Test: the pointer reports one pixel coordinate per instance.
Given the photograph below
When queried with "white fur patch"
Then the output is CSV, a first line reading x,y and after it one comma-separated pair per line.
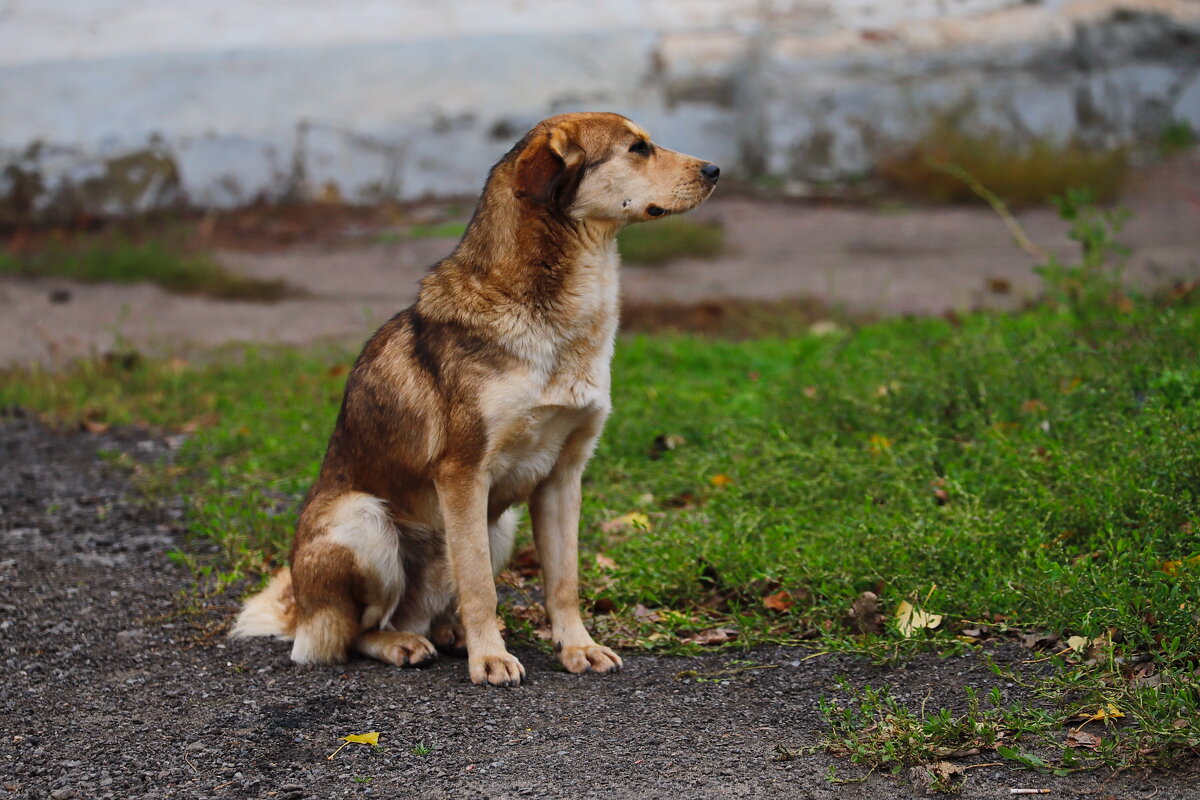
x,y
361,523
500,538
265,612
317,640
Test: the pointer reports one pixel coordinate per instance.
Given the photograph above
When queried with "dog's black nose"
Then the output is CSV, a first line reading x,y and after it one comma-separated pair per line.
x,y
711,172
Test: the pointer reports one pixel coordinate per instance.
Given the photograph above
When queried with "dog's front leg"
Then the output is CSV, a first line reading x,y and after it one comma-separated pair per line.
x,y
554,512
463,498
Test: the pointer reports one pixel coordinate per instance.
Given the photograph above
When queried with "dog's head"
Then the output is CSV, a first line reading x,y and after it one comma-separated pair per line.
x,y
598,166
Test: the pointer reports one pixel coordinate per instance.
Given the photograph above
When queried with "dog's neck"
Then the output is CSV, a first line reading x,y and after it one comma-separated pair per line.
x,y
524,266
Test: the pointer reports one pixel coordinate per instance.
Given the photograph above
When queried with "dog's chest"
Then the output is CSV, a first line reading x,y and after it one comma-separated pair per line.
x,y
531,446
563,386
533,416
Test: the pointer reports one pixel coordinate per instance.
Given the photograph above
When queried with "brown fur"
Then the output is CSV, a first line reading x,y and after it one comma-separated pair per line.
x,y
490,391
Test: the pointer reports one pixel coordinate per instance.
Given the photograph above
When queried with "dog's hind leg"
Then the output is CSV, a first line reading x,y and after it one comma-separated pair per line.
x,y
348,581
395,647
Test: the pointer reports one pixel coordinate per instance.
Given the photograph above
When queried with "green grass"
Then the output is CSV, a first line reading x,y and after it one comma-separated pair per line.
x,y
1019,466
661,241
122,261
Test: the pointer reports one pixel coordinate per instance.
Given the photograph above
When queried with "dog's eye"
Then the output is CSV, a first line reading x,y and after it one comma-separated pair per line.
x,y
641,147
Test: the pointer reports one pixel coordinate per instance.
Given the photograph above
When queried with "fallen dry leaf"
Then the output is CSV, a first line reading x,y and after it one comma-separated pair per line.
x,y
940,774
634,520
604,562
720,480
1108,711
371,738
1078,643
879,444
196,423
92,426
780,601
684,501
1083,739
909,619
643,614
1038,641
1173,567
526,562
712,636
864,614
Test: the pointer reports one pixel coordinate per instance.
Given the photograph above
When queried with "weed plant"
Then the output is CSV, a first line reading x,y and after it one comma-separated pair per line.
x,y
122,261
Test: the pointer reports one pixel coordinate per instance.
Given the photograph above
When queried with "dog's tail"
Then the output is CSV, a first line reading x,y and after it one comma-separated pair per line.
x,y
271,612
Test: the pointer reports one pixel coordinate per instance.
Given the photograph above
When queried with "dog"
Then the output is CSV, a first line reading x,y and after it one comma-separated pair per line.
x,y
490,391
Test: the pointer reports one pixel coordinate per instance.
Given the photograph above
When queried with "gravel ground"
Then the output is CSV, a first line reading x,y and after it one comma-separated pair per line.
x,y
103,699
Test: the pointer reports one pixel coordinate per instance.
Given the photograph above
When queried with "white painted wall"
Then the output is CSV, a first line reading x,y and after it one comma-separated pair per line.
x,y
228,100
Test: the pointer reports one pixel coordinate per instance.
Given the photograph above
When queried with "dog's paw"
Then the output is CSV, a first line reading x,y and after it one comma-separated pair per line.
x,y
449,636
589,658
406,649
499,669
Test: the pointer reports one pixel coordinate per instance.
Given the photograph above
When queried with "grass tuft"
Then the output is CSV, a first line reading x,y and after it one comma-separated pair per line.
x,y
1022,175
658,242
1177,137
122,261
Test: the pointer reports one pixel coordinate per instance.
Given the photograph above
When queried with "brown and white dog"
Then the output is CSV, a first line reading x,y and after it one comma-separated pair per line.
x,y
489,391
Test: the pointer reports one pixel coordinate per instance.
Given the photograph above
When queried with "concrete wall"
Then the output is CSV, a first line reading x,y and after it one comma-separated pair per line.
x,y
113,106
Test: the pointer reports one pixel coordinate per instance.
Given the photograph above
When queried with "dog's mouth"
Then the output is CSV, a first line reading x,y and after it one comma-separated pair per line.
x,y
655,211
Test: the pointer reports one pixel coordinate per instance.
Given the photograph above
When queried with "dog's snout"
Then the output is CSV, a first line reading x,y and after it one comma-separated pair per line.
x,y
710,172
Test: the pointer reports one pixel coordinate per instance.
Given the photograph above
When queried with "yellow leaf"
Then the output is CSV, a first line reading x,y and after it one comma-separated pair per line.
x,y
1173,567
634,519
720,480
879,444
1109,711
371,738
910,619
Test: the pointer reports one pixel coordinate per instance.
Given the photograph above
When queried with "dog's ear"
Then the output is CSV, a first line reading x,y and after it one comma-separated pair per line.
x,y
549,168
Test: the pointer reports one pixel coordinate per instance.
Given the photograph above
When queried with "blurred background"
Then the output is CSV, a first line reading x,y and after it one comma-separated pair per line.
x,y
258,124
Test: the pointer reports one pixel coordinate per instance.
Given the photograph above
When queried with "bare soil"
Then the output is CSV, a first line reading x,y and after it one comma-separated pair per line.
x,y
822,258
110,693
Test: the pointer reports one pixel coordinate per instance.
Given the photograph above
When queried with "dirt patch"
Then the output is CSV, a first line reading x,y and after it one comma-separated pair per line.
x,y
107,696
